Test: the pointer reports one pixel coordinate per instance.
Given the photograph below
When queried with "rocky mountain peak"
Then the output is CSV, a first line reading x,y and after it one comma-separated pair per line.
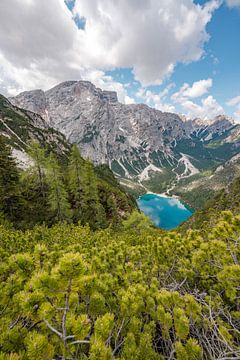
x,y
130,138
34,101
79,88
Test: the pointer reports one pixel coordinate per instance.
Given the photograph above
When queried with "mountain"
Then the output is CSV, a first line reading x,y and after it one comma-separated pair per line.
x,y
140,144
226,199
18,129
129,290
196,190
136,293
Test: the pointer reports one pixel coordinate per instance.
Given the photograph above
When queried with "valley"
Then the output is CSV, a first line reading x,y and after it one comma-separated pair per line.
x,y
84,273
119,180
144,147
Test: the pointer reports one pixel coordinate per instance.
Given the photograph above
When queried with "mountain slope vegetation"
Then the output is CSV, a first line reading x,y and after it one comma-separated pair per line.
x,y
197,190
85,276
19,127
139,293
227,198
145,147
57,186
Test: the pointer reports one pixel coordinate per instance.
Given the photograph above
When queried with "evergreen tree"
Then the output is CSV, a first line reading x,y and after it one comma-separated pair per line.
x,y
38,157
93,211
58,198
34,188
75,181
10,199
112,210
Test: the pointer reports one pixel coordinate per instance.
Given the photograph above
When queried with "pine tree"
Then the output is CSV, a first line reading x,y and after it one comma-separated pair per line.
x,y
93,211
58,199
38,157
10,199
75,181
34,188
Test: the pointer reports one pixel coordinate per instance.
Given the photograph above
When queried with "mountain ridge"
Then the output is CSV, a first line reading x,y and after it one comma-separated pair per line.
x,y
138,143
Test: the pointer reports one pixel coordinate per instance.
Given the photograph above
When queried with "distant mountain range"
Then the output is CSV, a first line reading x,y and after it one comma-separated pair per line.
x,y
142,145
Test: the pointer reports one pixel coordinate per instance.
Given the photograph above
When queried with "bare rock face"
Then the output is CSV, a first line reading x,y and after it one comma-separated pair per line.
x,y
34,101
127,137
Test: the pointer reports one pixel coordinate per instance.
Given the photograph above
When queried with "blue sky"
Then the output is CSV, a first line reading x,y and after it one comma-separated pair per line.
x,y
221,62
179,55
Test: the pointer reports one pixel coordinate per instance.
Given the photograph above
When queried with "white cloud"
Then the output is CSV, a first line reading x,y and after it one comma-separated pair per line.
x,y
235,102
106,82
149,36
233,3
40,45
37,40
197,89
158,101
129,100
208,109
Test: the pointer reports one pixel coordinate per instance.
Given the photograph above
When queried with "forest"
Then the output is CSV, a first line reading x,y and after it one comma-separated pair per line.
x,y
58,187
84,275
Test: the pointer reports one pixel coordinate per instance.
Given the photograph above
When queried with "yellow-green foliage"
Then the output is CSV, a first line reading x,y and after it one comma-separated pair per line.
x,y
140,293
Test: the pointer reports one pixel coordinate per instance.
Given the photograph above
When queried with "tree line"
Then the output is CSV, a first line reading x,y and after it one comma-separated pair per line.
x,y
49,192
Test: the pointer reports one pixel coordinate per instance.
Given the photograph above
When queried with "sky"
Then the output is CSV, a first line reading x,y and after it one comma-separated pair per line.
x,y
175,55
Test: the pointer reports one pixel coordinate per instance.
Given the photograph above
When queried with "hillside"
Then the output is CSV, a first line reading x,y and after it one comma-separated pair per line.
x,y
83,276
228,198
19,127
198,189
40,169
143,146
138,293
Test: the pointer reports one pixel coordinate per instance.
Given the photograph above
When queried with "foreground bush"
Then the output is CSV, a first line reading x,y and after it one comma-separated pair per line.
x,y
70,293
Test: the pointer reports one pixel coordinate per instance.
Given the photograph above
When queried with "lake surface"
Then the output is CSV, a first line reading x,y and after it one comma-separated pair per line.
x,y
165,212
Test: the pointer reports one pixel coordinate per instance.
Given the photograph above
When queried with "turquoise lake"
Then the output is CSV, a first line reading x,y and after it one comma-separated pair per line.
x,y
165,212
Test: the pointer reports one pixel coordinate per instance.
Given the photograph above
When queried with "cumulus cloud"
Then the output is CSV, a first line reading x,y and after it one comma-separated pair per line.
x,y
149,36
208,109
235,102
37,40
40,44
208,106
197,89
157,100
129,100
233,3
106,82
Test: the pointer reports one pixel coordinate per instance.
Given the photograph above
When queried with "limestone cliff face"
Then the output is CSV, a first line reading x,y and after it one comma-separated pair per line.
x,y
127,137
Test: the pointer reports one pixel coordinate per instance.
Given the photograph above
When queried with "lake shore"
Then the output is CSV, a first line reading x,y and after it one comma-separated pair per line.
x,y
165,195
